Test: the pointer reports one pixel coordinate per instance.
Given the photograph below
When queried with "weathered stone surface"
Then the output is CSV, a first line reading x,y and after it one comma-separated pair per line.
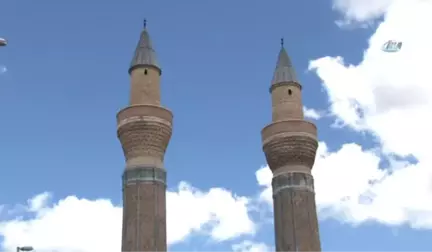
x,y
293,180
137,112
294,150
145,86
296,226
144,215
286,101
143,174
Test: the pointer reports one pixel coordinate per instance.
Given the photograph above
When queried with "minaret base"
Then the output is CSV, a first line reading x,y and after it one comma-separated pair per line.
x,y
144,209
295,218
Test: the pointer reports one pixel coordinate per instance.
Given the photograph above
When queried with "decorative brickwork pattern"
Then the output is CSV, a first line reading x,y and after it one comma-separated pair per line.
x,y
290,150
144,217
144,138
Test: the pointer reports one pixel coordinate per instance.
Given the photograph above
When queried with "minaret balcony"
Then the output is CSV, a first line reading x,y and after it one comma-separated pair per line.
x,y
134,112
291,142
144,131
288,126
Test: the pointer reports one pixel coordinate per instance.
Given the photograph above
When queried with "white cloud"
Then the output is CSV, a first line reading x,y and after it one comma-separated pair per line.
x,y
71,223
251,246
38,202
312,113
362,10
388,94
227,213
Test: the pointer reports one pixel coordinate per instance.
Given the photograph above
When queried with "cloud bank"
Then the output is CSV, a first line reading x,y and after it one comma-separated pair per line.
x,y
189,210
389,96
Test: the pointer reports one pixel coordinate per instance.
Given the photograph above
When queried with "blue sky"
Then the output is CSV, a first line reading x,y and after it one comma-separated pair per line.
x,y
67,78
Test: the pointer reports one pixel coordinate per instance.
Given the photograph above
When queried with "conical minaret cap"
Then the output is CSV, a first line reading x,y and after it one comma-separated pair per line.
x,y
284,71
144,54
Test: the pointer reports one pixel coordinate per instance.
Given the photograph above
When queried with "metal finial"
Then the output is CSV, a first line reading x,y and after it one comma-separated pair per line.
x,y
282,42
145,23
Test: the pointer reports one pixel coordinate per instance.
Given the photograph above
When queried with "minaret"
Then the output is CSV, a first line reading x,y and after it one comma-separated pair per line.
x,y
290,145
144,129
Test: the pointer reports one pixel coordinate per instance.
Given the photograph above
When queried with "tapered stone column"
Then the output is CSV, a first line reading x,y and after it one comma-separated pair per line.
x,y
144,129
290,145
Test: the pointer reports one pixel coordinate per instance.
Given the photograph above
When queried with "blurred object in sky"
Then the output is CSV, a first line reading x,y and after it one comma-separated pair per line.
x,y
3,42
3,69
392,46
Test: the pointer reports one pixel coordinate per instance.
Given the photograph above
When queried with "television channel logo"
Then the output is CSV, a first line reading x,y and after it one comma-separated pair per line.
x,y
392,46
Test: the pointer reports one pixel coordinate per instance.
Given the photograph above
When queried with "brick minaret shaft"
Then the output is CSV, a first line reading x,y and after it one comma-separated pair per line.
x,y
290,145
144,129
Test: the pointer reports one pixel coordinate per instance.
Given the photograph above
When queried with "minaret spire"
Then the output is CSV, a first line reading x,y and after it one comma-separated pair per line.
x,y
290,144
284,71
144,129
144,55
